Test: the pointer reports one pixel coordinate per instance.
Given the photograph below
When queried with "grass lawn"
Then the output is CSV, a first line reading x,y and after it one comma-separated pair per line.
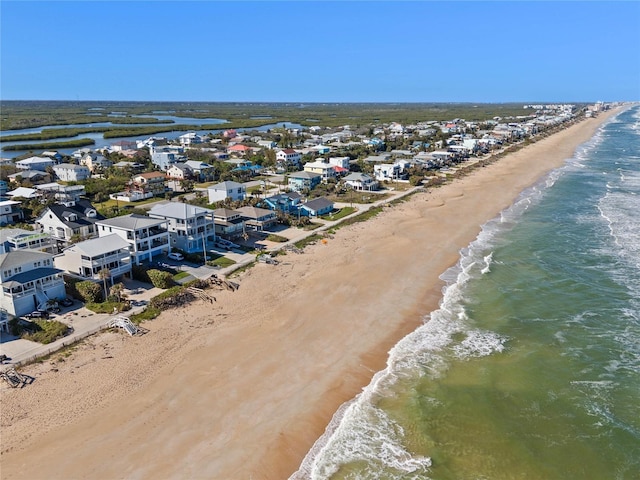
x,y
180,275
276,238
343,212
220,261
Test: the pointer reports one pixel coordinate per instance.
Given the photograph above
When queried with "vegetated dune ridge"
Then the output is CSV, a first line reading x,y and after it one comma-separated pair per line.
x,y
242,388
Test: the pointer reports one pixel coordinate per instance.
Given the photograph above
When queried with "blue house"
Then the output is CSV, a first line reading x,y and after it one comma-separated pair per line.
x,y
316,207
299,181
283,202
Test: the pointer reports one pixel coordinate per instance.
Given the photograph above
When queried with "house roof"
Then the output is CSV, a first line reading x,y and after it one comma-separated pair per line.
x,y
225,185
255,212
177,210
70,166
358,177
100,245
225,212
239,148
149,175
195,165
132,222
30,160
28,174
17,258
9,202
318,204
34,274
81,208
23,192
289,151
304,175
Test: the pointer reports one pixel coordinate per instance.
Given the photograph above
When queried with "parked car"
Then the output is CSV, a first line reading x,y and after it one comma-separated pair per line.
x,y
37,314
66,302
176,256
225,244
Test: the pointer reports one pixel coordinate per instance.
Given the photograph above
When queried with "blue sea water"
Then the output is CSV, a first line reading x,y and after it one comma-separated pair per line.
x,y
530,369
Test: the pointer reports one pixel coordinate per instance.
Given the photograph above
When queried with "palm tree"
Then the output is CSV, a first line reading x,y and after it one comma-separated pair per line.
x,y
103,274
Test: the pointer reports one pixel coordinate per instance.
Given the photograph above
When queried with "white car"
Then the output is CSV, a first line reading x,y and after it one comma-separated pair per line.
x,y
176,256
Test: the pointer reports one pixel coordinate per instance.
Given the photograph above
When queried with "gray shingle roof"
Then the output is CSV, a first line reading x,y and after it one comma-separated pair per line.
x,y
131,222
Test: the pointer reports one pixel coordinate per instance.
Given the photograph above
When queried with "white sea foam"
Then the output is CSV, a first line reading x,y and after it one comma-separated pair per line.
x,y
479,344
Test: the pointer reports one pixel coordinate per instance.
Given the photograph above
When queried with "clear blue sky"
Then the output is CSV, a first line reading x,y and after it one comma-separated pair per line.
x,y
364,51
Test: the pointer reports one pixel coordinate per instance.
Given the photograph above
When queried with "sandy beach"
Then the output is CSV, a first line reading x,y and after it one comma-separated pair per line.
x,y
242,388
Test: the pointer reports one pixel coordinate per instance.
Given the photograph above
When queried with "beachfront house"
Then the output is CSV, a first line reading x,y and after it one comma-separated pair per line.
x,y
283,202
316,207
361,181
301,181
258,219
147,237
69,172
10,212
221,191
69,221
228,223
191,228
85,260
28,280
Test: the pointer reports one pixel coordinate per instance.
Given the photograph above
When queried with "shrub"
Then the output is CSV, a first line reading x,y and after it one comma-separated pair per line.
x,y
47,331
173,297
138,272
108,307
160,279
89,291
148,313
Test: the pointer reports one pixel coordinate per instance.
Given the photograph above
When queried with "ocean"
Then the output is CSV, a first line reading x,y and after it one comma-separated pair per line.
x,y
530,368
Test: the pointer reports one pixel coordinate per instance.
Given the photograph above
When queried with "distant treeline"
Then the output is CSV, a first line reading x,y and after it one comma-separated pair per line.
x,y
22,114
80,142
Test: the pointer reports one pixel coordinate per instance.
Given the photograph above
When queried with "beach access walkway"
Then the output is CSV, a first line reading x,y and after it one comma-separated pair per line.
x,y
83,321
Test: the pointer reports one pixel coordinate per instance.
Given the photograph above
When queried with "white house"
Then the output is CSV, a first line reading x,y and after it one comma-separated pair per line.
x,y
20,239
28,280
71,219
147,237
190,138
386,171
68,172
10,212
35,163
221,191
288,156
342,162
86,259
180,171
325,170
361,181
191,228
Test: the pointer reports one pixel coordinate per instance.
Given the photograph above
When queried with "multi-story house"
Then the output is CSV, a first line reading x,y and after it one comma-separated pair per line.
x,y
20,239
191,228
69,172
28,280
228,222
202,171
69,221
223,190
361,181
35,163
34,177
288,157
325,170
147,237
179,171
150,184
300,181
283,202
164,157
10,212
258,218
95,161
86,259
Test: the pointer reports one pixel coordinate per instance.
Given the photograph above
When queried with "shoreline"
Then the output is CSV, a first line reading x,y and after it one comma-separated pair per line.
x,y
246,387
